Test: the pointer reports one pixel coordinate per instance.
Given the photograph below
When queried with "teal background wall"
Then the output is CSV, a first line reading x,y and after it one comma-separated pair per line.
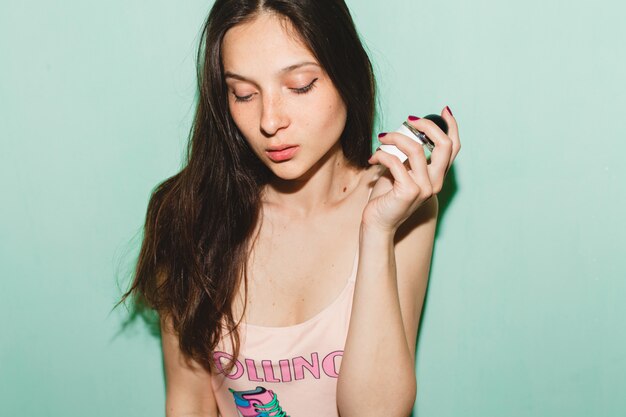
x,y
525,308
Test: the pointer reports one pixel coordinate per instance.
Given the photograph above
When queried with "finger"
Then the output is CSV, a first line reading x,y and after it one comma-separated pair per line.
x,y
434,133
403,182
437,170
416,158
453,133
441,154
407,145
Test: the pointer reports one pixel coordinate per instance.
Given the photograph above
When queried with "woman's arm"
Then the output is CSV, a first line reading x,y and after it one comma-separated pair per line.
x,y
188,385
377,374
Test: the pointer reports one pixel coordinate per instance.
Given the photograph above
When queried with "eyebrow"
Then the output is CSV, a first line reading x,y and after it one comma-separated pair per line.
x,y
229,74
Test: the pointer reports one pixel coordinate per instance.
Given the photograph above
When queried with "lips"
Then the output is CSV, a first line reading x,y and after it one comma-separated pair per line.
x,y
279,148
282,153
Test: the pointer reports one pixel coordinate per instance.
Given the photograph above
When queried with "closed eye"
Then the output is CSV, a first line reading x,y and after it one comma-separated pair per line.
x,y
301,90
305,89
245,98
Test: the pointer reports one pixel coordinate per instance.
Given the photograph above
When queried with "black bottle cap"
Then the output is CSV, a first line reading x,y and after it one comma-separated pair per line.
x,y
439,121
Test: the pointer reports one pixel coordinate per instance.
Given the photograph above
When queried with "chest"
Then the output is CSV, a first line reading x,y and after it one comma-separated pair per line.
x,y
296,269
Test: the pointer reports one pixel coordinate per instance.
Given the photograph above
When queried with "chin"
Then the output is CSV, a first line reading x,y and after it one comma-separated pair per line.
x,y
290,170
288,174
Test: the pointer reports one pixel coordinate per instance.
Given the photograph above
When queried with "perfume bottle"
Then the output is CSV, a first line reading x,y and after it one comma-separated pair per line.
x,y
408,130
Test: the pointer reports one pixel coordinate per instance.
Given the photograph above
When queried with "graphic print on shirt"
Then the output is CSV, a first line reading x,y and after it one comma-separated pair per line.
x,y
314,365
258,402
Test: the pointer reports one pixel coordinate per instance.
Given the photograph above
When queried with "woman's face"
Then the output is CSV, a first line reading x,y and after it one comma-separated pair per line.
x,y
280,96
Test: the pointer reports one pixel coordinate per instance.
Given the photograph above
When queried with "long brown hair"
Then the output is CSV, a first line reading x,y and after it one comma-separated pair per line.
x,y
199,223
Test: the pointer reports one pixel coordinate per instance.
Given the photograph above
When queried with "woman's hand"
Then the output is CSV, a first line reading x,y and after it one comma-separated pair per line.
x,y
402,188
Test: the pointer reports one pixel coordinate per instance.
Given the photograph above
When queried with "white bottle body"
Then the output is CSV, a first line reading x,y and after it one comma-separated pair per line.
x,y
421,139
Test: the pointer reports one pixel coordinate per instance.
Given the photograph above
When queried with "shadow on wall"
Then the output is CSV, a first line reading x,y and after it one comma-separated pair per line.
x,y
136,312
446,195
150,318
136,309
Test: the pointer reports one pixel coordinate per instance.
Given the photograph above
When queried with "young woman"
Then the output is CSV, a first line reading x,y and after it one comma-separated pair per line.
x,y
287,263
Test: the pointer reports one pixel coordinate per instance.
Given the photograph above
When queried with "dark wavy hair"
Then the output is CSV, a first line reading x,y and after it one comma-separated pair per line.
x,y
199,222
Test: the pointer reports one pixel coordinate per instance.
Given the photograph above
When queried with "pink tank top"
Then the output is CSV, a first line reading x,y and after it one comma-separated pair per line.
x,y
287,371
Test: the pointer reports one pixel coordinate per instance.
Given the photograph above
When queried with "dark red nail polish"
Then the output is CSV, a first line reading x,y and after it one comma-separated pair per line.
x,y
449,111
413,118
380,135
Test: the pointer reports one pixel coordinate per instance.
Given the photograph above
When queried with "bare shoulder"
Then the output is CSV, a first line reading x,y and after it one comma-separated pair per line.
x,y
188,384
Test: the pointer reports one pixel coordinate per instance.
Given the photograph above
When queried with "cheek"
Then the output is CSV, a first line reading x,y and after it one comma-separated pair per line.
x,y
235,112
335,113
241,119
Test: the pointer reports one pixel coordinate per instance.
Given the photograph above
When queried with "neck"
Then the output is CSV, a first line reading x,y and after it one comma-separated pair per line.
x,y
323,187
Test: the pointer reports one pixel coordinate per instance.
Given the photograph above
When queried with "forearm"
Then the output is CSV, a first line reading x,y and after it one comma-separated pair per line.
x,y
377,374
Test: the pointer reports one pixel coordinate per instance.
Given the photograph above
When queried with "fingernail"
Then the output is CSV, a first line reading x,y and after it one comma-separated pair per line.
x,y
413,118
449,111
380,135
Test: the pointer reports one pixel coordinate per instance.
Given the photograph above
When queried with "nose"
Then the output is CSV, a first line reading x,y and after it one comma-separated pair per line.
x,y
273,116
